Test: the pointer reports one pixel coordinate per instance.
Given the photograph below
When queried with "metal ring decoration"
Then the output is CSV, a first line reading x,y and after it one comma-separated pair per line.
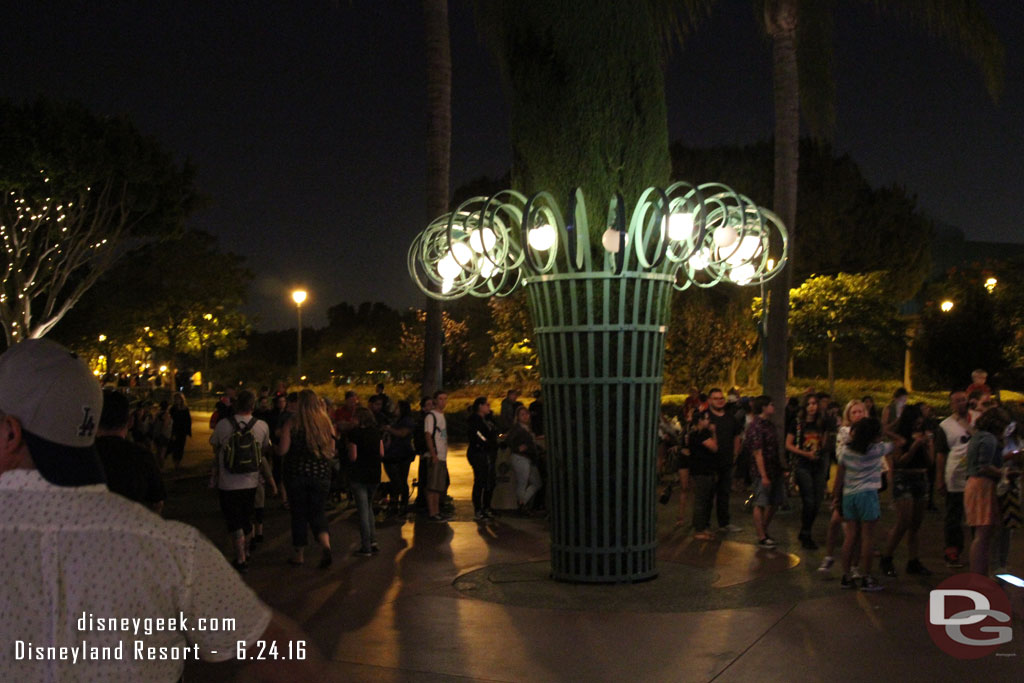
x,y
702,234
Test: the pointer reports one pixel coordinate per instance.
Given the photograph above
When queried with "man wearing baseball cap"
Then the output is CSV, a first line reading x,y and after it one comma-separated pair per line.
x,y
80,565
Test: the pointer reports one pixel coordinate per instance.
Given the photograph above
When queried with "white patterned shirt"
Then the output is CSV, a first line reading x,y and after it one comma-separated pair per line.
x,y
75,556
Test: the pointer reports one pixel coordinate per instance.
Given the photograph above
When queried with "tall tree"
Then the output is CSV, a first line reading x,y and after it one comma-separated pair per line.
x,y
845,310
182,297
439,142
801,50
76,191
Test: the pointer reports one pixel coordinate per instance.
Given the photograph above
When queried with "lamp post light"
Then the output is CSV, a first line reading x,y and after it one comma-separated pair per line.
x,y
990,284
946,306
299,296
600,310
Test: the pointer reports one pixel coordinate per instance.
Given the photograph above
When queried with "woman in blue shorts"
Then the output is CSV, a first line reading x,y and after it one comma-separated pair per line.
x,y
861,477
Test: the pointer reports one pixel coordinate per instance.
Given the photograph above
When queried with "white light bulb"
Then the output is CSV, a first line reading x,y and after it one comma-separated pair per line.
x,y
446,286
743,274
462,253
448,268
700,260
680,226
542,237
486,268
725,236
745,251
610,240
482,239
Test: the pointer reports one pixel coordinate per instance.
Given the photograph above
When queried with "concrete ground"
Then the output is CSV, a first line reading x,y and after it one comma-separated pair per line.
x,y
457,601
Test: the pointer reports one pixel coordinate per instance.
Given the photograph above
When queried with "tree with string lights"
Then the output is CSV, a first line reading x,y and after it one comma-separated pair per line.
x,y
78,191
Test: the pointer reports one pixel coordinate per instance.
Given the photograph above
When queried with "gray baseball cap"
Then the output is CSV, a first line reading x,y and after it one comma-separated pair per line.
x,y
58,403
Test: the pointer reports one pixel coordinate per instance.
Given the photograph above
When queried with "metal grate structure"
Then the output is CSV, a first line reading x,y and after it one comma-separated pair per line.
x,y
599,330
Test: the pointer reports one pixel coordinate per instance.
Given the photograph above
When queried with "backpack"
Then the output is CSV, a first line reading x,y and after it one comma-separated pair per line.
x,y
419,435
242,452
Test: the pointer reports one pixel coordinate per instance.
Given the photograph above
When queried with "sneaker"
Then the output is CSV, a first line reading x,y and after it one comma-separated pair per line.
x,y
887,566
732,528
847,582
767,542
855,572
363,552
479,516
953,561
915,567
826,564
374,548
870,585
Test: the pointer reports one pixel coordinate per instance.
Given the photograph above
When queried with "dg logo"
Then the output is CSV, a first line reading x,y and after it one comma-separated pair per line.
x,y
969,616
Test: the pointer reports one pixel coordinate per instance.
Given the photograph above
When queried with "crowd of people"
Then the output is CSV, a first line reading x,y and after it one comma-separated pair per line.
x,y
846,459
64,443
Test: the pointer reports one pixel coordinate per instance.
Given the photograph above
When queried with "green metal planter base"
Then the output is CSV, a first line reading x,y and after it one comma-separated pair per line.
x,y
600,339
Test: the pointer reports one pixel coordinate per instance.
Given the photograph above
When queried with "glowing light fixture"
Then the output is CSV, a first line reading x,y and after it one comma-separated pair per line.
x,y
946,306
680,226
990,284
482,240
542,237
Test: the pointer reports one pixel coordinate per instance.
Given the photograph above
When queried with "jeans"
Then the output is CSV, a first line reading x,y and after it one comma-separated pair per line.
x,y
398,474
811,478
711,489
954,522
306,498
482,463
527,478
364,506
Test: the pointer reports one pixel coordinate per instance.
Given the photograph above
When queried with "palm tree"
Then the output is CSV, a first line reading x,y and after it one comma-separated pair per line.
x,y
801,51
439,142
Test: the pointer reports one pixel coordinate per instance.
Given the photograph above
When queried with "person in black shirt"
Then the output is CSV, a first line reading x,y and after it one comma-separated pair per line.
x,y
703,448
482,454
365,452
131,470
728,433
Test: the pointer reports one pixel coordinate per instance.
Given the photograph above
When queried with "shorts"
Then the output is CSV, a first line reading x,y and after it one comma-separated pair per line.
x,y
909,485
981,505
772,495
237,507
682,461
437,479
861,506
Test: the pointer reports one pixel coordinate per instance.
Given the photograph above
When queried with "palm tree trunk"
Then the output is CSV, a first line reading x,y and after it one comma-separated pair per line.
x,y
439,141
781,18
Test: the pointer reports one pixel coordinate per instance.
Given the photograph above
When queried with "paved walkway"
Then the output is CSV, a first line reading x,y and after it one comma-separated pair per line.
x,y
457,601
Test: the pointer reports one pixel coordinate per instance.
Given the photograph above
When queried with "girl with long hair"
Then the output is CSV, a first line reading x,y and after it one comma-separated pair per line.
x,y
854,412
984,469
307,443
806,438
910,460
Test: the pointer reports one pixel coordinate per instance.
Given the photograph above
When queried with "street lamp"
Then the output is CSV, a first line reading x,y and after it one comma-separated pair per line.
x,y
600,311
298,296
990,284
946,306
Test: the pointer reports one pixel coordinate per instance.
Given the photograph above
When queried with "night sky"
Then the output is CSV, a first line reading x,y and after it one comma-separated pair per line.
x,y
307,119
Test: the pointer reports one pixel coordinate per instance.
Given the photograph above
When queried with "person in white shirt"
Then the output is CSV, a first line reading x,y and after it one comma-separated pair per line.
x,y
237,491
73,554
